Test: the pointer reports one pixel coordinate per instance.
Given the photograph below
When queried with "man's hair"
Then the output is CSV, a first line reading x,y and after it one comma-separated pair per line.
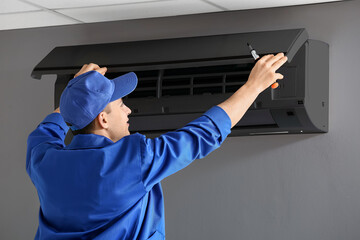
x,y
90,127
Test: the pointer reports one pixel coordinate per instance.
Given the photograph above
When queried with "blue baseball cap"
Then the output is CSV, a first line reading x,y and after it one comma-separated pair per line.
x,y
88,94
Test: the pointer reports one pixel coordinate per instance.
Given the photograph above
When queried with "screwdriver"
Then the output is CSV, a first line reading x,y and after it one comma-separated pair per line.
x,y
256,57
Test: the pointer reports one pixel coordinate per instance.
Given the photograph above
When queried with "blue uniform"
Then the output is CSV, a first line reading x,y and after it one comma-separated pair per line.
x,y
94,188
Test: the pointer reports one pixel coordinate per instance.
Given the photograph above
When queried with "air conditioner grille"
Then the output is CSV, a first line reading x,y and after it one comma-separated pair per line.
x,y
207,80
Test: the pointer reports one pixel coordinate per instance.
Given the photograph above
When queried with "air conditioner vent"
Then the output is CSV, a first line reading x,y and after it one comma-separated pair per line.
x,y
205,80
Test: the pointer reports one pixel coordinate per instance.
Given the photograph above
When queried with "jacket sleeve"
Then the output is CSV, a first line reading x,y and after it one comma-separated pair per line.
x,y
173,151
49,133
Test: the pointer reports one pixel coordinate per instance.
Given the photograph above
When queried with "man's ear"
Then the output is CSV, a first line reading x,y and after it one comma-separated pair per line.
x,y
103,120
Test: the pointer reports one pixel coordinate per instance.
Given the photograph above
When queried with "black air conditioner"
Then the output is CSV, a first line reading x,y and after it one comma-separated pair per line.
x,y
181,78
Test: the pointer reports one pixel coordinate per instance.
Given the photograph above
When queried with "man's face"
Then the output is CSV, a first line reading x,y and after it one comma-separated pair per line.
x,y
118,120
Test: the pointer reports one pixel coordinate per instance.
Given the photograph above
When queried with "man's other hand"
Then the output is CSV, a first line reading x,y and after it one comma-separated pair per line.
x,y
91,67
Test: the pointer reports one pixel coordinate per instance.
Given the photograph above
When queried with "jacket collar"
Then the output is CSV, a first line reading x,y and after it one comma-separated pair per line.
x,y
82,141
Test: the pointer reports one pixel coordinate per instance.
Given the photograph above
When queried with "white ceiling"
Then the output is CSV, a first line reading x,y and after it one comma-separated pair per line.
x,y
16,14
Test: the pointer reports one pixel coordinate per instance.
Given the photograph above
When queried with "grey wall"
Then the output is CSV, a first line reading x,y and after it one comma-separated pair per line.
x,y
263,187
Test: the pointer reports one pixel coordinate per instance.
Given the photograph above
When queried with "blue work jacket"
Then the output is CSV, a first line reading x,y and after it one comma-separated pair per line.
x,y
95,188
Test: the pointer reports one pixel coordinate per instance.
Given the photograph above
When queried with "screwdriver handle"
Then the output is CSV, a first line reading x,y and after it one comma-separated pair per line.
x,y
274,85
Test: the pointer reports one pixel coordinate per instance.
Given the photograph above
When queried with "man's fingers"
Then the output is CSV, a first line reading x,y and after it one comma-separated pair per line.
x,y
274,59
279,63
279,76
92,66
102,70
89,67
83,67
266,57
81,70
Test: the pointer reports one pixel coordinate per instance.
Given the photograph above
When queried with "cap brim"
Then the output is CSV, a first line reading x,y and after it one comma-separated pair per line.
x,y
124,85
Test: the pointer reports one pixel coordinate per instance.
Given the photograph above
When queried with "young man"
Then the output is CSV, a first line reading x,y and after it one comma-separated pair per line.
x,y
106,183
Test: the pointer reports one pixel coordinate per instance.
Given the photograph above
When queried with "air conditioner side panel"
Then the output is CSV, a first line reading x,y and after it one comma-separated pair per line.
x,y
317,84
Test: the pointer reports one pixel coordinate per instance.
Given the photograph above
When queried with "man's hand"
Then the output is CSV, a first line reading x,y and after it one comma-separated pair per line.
x,y
86,68
261,77
264,74
91,67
